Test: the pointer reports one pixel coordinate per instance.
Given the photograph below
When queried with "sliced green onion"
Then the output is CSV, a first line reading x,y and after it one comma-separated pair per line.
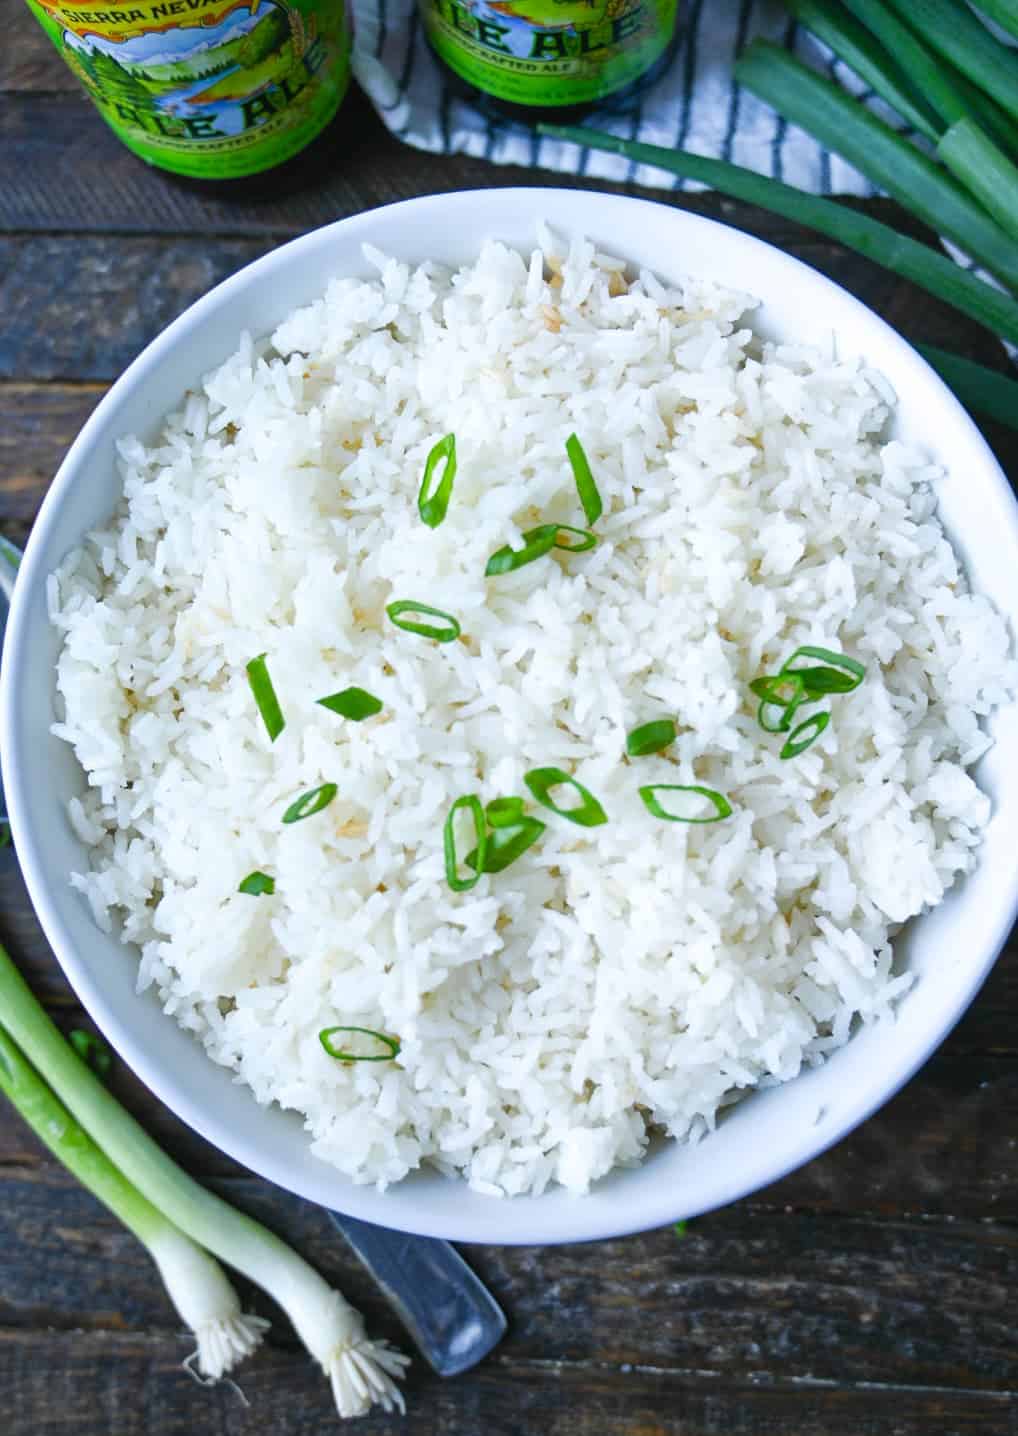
x,y
800,738
910,258
954,32
506,844
536,543
432,504
589,813
784,691
310,803
92,1050
593,508
259,884
821,680
159,1202
352,703
984,170
265,696
651,737
472,805
449,631
856,46
504,812
722,807
391,1045
841,123
978,388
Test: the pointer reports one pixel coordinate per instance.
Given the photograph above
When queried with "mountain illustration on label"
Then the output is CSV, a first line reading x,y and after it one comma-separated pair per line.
x,y
226,70
558,14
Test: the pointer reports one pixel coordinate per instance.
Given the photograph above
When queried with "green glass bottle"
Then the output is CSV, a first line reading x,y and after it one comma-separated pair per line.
x,y
208,89
551,59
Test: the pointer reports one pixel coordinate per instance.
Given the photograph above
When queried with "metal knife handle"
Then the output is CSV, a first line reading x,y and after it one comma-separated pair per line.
x,y
450,1314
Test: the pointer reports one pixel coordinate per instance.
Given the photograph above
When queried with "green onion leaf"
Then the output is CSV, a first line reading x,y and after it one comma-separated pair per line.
x,y
593,508
910,258
472,805
257,884
449,630
589,813
821,680
984,170
1005,12
391,1045
954,32
504,812
841,123
800,738
265,696
722,807
310,803
506,844
856,46
536,543
981,389
352,703
92,1050
433,503
651,737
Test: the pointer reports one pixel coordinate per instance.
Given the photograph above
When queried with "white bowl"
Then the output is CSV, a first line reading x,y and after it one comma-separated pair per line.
x,y
769,1133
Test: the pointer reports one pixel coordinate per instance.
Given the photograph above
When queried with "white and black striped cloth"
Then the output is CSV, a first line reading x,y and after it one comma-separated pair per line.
x,y
693,106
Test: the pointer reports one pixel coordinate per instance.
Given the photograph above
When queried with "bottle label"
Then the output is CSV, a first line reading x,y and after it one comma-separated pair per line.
x,y
215,89
549,52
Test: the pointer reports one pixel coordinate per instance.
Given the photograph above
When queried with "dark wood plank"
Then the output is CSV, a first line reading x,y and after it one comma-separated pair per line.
x,y
130,1384
27,59
37,426
787,1297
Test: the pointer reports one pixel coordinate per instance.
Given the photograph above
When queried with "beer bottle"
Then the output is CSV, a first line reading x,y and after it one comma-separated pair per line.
x,y
207,89
551,59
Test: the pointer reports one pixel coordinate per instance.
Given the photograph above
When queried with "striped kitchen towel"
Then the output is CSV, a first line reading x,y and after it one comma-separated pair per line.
x,y
693,106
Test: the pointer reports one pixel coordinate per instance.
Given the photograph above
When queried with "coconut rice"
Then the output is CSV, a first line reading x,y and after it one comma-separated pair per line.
x,y
613,980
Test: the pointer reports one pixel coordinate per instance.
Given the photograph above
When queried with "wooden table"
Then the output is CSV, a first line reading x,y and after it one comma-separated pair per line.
x,y
874,1292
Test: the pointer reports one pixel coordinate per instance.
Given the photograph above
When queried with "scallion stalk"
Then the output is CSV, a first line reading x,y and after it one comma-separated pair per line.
x,y
856,46
978,388
884,246
841,123
984,170
926,74
195,1282
954,32
1005,12
360,1371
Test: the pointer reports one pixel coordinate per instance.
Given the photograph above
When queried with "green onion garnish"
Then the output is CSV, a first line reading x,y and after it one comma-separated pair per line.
x,y
651,737
540,781
446,634
265,696
536,543
800,738
310,803
593,508
784,691
979,388
721,804
432,506
472,805
506,844
391,1045
258,884
92,1050
829,679
504,812
681,1228
352,703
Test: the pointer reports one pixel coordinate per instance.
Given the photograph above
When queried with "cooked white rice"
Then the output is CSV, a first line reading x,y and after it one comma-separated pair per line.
x,y
614,979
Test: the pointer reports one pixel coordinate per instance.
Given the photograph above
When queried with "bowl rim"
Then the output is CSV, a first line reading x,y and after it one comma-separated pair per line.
x,y
596,1219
